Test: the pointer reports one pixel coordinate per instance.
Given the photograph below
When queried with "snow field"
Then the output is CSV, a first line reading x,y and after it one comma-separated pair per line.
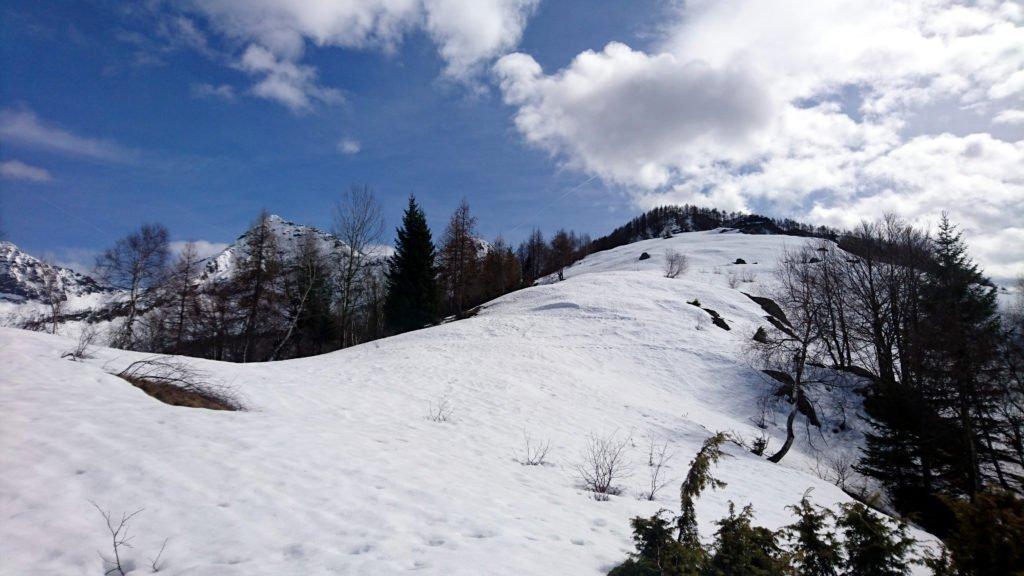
x,y
335,468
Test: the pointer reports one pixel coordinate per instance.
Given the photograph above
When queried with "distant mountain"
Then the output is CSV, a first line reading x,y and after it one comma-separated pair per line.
x,y
21,277
289,237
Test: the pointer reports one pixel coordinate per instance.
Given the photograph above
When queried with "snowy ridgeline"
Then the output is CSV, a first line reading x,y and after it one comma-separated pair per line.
x,y
338,467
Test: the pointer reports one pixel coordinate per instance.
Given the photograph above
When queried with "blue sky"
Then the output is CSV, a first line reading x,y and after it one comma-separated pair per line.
x,y
205,165
576,114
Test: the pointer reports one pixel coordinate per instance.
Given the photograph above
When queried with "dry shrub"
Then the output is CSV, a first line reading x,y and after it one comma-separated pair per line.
x,y
175,382
603,463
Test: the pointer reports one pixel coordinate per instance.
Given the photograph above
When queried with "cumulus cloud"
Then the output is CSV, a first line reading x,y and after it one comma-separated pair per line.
x,y
274,34
815,110
22,126
18,170
290,84
204,248
349,146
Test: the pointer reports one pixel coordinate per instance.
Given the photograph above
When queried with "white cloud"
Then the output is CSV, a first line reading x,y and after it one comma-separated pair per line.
x,y
588,111
468,32
1009,117
349,146
204,248
23,127
817,110
274,33
18,170
290,84
81,260
224,92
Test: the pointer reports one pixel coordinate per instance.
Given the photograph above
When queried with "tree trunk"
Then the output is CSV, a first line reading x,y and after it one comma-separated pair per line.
x,y
790,436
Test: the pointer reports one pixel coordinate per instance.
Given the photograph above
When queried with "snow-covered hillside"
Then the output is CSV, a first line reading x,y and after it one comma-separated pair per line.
x,y
335,467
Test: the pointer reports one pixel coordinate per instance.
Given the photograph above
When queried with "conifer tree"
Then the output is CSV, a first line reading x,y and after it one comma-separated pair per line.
x,y
741,548
873,547
815,550
959,347
697,479
412,275
987,537
659,551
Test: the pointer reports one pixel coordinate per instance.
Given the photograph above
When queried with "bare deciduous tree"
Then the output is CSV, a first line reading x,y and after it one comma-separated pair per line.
x,y
460,261
359,224
790,351
53,293
134,264
675,263
182,287
312,301
257,277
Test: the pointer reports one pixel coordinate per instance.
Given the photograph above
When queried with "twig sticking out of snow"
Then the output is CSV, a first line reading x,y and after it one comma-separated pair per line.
x,y
440,410
83,348
534,453
119,537
154,563
657,457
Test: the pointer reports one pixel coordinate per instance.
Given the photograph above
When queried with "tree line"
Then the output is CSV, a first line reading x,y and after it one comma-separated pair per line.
x,y
663,221
913,314
323,292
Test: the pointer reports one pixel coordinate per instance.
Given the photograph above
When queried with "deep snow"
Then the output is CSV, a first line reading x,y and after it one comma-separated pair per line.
x,y
335,467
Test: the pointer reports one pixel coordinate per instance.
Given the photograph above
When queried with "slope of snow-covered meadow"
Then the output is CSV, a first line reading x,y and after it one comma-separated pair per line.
x,y
335,467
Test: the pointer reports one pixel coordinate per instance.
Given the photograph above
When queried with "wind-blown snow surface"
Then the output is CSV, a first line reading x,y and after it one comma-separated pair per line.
x,y
335,467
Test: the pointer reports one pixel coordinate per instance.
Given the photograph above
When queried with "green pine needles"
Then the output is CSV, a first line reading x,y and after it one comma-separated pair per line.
x,y
871,543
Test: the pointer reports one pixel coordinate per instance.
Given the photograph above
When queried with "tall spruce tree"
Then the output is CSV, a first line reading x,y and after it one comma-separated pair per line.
x,y
412,297
936,420
960,358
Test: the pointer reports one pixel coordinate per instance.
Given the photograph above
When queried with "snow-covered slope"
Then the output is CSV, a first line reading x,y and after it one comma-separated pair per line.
x,y
335,467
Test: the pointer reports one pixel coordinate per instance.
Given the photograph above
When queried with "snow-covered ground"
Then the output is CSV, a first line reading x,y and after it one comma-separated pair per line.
x,y
335,467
